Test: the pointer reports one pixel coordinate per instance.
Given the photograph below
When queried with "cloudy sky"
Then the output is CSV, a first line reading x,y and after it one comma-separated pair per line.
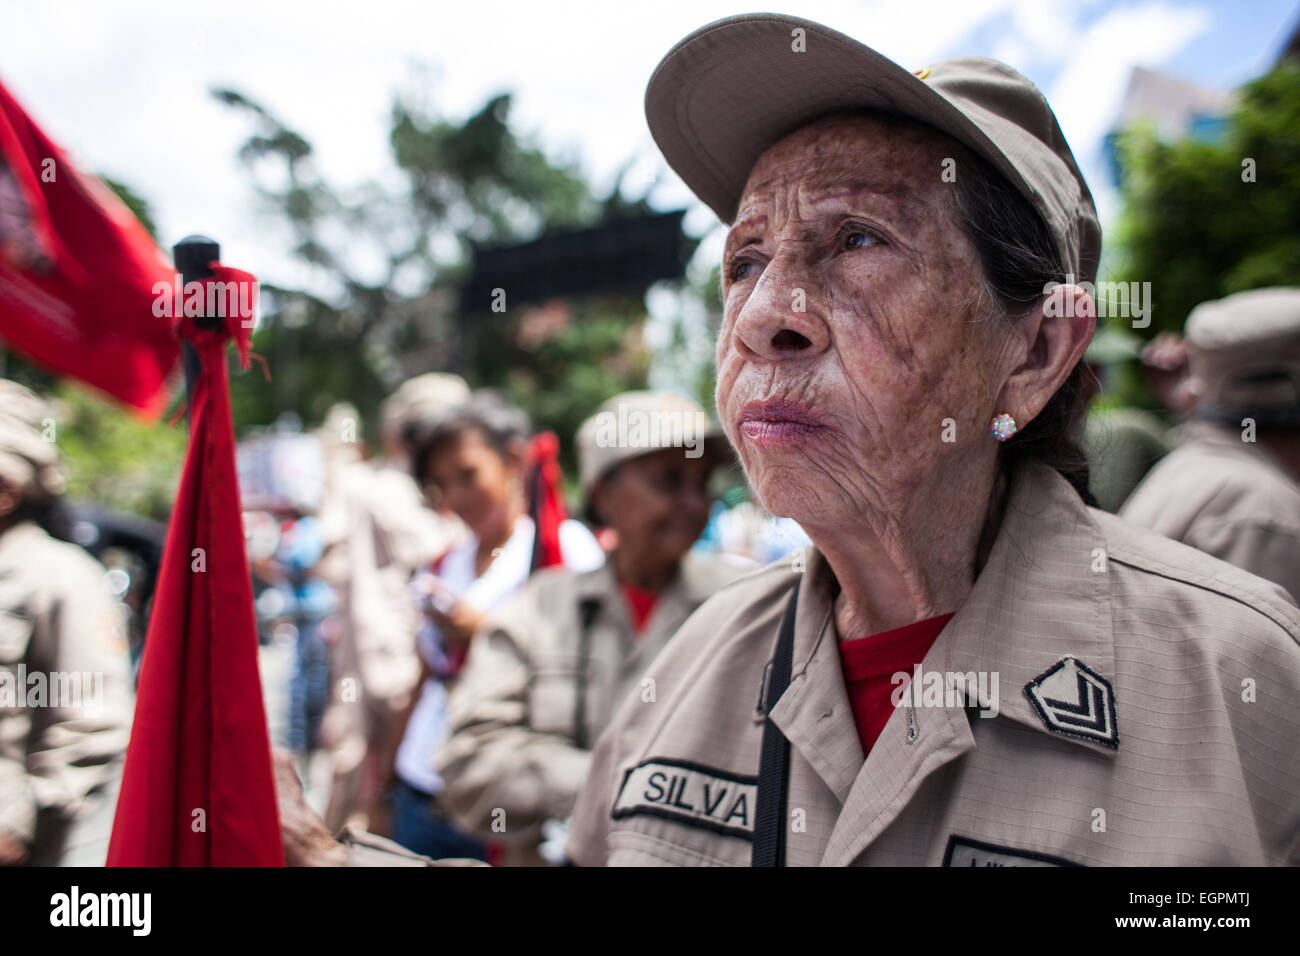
x,y
124,85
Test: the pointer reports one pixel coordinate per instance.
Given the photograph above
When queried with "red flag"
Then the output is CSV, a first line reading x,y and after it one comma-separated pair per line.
x,y
546,498
79,275
198,788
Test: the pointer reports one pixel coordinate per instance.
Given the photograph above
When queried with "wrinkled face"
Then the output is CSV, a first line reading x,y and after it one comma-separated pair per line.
x,y
854,323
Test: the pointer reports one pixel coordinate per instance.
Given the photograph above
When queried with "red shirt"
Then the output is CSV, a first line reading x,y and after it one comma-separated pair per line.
x,y
869,663
640,602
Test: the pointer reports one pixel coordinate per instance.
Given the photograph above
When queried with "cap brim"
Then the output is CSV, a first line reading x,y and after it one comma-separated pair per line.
x,y
731,89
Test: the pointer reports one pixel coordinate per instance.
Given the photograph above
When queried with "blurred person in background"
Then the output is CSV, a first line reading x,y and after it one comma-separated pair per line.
x,y
1164,366
476,463
1232,487
65,699
1122,443
379,530
310,603
545,677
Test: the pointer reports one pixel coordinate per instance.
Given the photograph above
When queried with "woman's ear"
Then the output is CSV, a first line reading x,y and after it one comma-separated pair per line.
x,y
1054,335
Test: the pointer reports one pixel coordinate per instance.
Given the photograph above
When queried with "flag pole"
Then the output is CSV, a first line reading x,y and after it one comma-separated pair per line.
x,y
192,256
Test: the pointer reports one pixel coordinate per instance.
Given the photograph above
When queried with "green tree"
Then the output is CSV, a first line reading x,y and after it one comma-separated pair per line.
x,y
1203,220
355,336
114,459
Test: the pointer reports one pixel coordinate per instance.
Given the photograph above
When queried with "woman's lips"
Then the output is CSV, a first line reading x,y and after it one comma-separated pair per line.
x,y
778,422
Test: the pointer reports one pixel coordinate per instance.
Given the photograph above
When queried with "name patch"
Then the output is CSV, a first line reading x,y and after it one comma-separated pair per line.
x,y
689,793
964,852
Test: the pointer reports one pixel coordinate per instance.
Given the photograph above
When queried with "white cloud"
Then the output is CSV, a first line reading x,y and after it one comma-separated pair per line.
x,y
126,89
1087,94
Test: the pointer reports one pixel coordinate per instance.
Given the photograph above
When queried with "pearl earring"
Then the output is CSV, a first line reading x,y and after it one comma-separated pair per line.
x,y
1003,427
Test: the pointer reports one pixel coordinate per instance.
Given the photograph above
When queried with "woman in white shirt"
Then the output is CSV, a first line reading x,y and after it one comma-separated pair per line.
x,y
474,462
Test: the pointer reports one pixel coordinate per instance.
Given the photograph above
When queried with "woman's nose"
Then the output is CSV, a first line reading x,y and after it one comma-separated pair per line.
x,y
784,316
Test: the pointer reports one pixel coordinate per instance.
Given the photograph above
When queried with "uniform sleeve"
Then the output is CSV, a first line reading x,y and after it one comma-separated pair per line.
x,y
78,644
1270,549
1261,684
589,828
493,762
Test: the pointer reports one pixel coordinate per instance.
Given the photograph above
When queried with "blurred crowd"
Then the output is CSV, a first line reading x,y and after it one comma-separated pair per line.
x,y
381,569
458,639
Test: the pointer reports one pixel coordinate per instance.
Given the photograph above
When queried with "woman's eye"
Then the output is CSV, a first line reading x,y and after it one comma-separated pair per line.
x,y
743,269
857,239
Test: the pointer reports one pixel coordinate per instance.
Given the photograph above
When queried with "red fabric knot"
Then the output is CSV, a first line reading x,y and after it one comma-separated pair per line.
x,y
230,296
546,498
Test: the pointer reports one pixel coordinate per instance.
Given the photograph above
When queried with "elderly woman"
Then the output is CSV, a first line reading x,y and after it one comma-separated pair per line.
x,y
545,677
970,666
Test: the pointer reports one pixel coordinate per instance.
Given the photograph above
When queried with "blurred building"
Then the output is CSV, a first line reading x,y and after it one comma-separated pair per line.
x,y
1175,108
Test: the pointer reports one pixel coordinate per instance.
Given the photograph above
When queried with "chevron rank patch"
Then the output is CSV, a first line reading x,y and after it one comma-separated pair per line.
x,y
1075,700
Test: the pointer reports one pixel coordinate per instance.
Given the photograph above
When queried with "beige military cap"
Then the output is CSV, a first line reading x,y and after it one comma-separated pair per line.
x,y
731,89
638,423
27,459
1243,355
428,394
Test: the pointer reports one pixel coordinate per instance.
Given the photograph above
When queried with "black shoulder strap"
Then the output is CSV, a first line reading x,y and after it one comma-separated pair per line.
x,y
774,763
589,608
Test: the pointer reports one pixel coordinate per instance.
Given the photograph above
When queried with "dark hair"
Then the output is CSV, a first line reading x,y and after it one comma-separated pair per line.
x,y
487,412
1020,258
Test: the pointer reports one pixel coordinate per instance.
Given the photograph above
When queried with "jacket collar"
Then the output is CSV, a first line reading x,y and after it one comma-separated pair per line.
x,y
688,589
1043,596
1037,602
689,583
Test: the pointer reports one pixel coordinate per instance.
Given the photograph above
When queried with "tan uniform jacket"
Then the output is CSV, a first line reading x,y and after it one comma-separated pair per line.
x,y
1228,498
59,630
1148,713
513,745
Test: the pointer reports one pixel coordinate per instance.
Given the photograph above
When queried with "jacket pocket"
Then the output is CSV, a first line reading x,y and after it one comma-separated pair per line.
x,y
553,693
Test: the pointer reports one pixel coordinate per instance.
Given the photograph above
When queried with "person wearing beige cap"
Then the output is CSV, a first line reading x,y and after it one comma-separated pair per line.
x,y
544,678
1232,487
546,674
385,531
65,699
970,665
